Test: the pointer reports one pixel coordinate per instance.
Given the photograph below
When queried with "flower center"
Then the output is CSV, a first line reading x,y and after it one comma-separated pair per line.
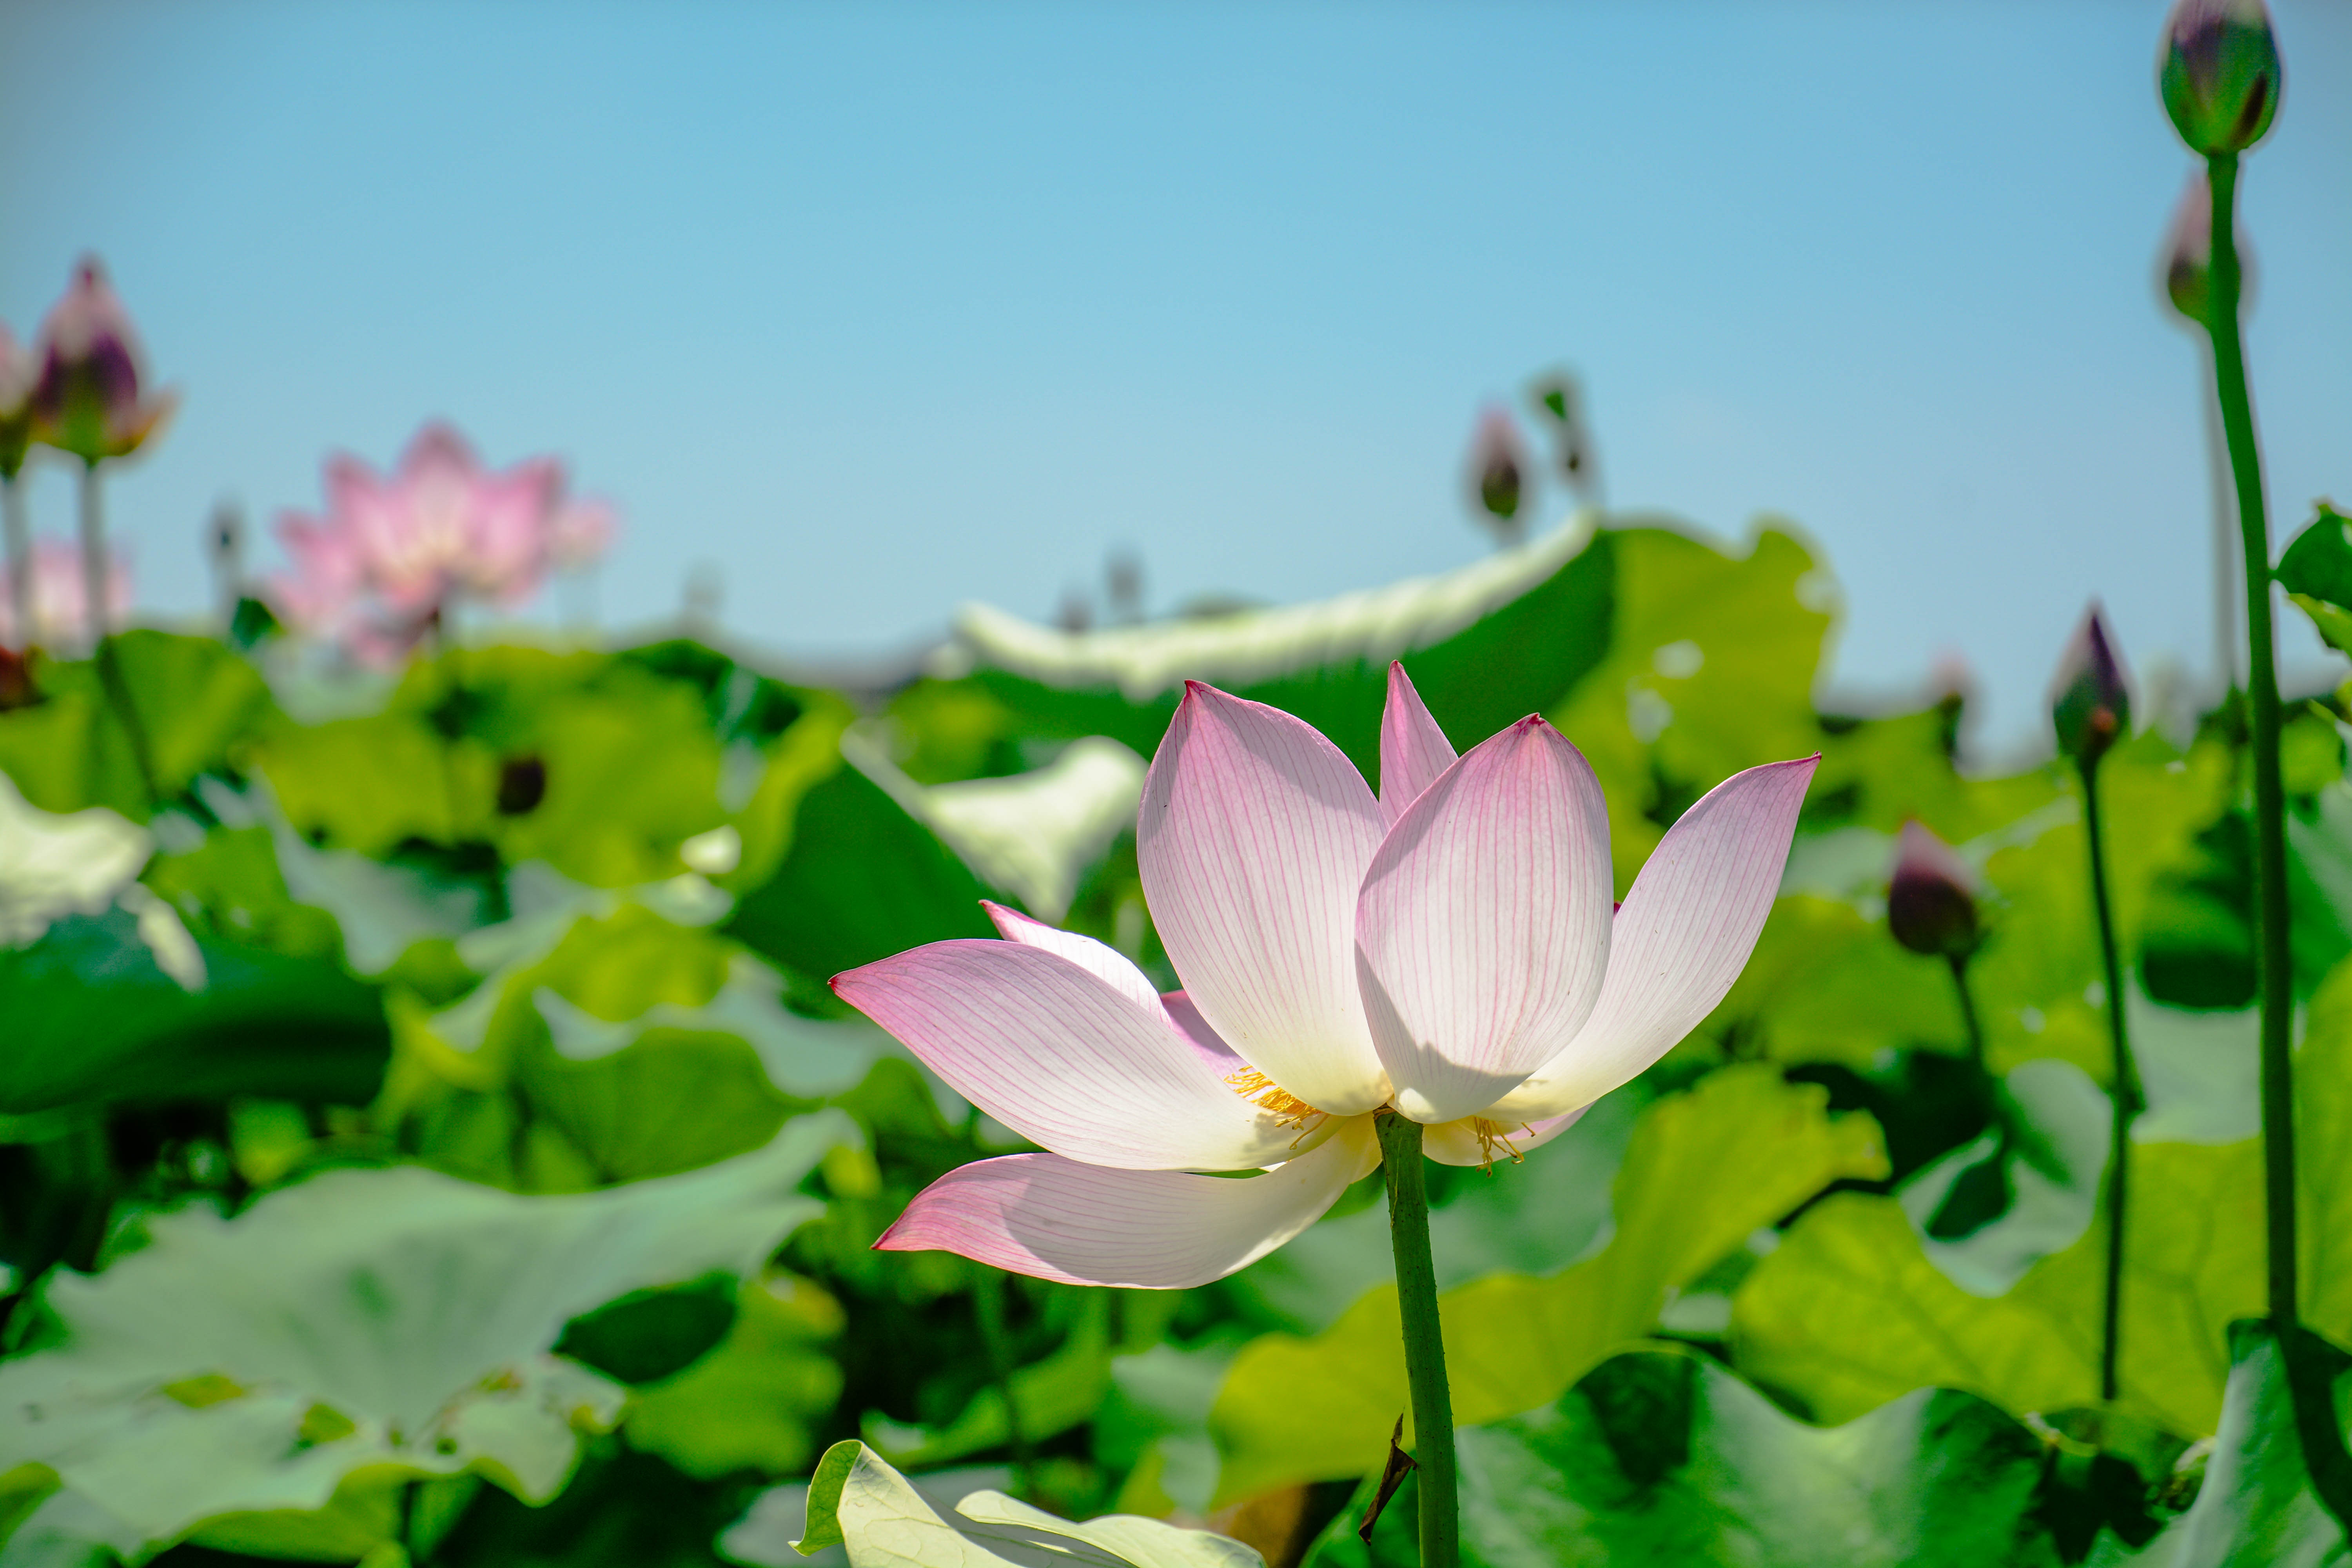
x,y
1263,1091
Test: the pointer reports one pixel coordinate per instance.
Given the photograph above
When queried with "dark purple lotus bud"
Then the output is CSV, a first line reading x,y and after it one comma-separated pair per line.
x,y
1498,465
2220,73
15,682
2089,702
87,399
522,784
1931,902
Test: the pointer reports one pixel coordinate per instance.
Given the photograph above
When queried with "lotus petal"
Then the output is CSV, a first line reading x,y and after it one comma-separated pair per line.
x,y
1063,1058
1482,930
1057,1219
1681,938
1252,840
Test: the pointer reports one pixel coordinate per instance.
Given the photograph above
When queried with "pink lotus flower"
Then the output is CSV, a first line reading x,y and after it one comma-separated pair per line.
x,y
59,606
1445,951
86,398
392,550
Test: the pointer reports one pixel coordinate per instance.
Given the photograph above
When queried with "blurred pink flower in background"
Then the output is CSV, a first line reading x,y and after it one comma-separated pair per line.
x,y
59,608
86,398
392,552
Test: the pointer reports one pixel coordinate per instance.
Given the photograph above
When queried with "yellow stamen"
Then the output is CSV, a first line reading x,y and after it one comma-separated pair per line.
x,y
1263,1091
1493,1135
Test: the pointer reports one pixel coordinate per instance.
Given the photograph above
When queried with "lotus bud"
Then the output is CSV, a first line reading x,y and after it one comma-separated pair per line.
x,y
87,399
2219,74
16,374
2088,702
16,689
1931,903
1498,467
2189,251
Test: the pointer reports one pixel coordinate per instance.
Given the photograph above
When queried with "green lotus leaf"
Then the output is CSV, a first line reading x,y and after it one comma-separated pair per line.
x,y
1703,1169
1662,1456
364,1319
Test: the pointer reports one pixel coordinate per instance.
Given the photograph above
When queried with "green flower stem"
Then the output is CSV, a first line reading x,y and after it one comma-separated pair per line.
x,y
1425,1343
2307,1381
2123,1089
20,554
102,650
1968,1008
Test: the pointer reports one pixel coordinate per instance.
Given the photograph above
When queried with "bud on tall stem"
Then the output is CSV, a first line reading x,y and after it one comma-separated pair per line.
x,y
2089,702
2220,73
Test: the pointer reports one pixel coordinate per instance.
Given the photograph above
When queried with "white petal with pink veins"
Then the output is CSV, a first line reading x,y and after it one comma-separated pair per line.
x,y
1101,959
1057,1054
1482,929
1683,937
1057,1219
1252,840
1413,750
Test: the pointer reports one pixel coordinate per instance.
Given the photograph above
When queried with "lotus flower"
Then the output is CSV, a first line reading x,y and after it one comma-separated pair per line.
x,y
60,605
392,551
1444,951
87,399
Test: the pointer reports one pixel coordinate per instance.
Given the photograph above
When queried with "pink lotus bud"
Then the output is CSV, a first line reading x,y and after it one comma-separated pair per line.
x,y
16,375
2189,251
1931,903
2188,254
578,533
2219,74
87,400
2089,702
1498,465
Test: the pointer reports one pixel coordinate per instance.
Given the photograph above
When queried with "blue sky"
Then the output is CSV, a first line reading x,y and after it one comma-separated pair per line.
x,y
882,308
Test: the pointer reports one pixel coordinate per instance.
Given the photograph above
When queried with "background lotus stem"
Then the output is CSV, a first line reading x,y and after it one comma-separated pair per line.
x,y
2307,1381
1425,1343
2123,1088
987,1288
20,556
93,556
102,650
1959,962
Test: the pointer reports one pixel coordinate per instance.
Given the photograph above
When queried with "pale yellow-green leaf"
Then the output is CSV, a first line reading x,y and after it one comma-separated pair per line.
x,y
858,1500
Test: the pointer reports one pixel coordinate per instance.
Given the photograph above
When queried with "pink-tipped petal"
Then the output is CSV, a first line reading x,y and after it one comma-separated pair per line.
x,y
1104,963
1061,1057
1482,930
1458,1143
1413,750
1683,937
1253,839
1057,1219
